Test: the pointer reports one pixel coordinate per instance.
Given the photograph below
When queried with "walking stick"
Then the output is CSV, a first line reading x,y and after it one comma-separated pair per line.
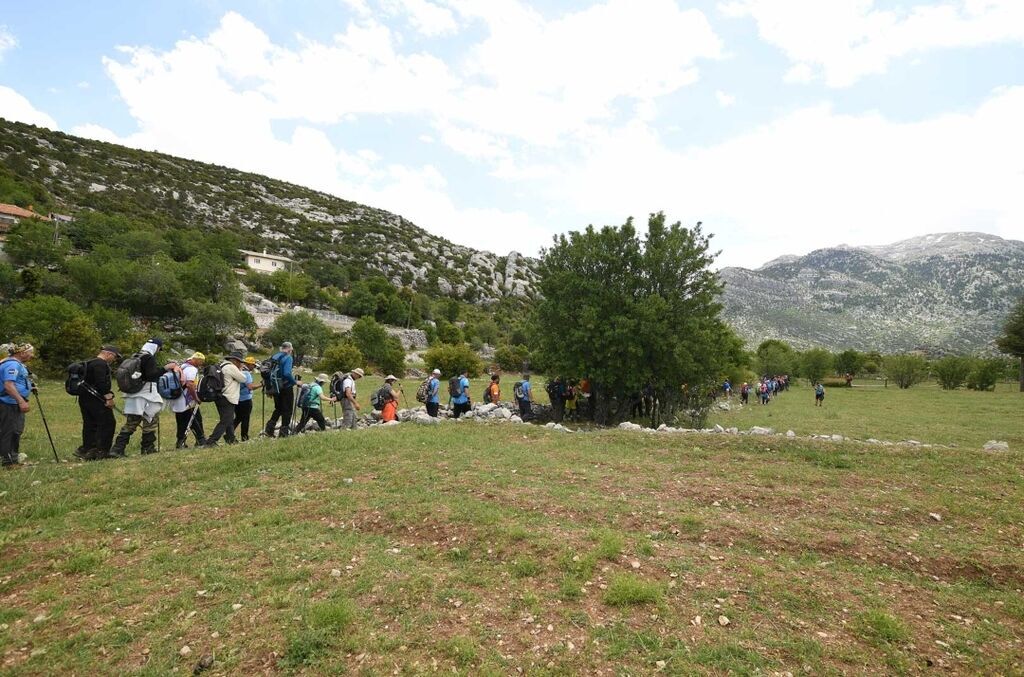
x,y
263,410
192,418
158,432
39,404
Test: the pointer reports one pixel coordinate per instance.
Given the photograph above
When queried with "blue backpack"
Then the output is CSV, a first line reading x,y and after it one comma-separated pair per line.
x,y
169,386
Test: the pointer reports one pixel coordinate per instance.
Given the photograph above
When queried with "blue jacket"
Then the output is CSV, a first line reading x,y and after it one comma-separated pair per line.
x,y
285,360
464,395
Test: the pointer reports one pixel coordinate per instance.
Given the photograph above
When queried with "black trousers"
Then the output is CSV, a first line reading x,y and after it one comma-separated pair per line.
x,y
284,402
460,409
314,414
243,412
525,409
98,423
181,418
432,408
226,425
12,425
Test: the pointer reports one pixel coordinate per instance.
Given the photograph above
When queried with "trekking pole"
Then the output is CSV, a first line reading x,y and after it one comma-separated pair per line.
x,y
158,432
263,410
195,410
39,404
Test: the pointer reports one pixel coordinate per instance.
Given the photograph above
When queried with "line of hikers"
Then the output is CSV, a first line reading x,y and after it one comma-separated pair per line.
x,y
765,389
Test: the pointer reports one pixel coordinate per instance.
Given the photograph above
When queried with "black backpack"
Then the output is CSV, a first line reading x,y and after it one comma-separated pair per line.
x,y
270,374
378,399
76,379
455,386
129,374
337,385
304,395
211,382
519,391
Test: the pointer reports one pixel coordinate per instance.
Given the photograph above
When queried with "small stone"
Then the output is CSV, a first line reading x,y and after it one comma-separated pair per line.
x,y
695,621
635,564
185,651
204,664
37,483
723,621
347,480
996,445
661,664
215,635
236,607
201,593
336,573
935,516
551,628
457,603
39,619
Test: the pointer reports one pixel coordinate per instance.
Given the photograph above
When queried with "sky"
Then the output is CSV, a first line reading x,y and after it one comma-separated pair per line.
x,y
782,125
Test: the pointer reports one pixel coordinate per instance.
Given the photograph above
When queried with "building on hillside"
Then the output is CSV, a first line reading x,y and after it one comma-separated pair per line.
x,y
266,263
10,216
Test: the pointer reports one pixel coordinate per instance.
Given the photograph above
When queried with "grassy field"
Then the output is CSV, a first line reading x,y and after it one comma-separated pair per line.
x,y
486,549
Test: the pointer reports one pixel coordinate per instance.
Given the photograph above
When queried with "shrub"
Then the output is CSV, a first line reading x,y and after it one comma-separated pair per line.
x,y
37,318
815,364
906,370
386,352
453,359
986,374
952,371
344,357
306,331
76,339
512,358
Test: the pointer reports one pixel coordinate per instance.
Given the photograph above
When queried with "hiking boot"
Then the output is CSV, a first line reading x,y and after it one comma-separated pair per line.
x,y
117,451
181,444
148,443
81,453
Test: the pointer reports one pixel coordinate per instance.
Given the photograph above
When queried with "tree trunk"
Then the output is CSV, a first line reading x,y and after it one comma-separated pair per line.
x,y
1022,373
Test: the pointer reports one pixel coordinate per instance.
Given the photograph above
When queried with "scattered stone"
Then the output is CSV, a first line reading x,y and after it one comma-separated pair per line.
x,y
40,618
336,573
837,438
236,607
205,663
758,430
790,434
725,406
723,621
935,516
347,480
696,621
996,445
660,664
635,564
718,428
185,651
626,425
36,483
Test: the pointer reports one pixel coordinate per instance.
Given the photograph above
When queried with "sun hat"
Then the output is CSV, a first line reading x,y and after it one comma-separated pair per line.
x,y
436,372
198,356
358,372
22,348
390,377
235,355
321,378
112,350
250,360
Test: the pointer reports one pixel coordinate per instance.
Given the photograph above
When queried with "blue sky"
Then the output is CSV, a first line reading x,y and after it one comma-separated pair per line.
x,y
783,125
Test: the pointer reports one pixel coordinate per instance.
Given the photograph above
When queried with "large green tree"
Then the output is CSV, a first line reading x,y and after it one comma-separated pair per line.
x,y
815,364
1012,340
307,333
31,243
775,358
626,311
906,370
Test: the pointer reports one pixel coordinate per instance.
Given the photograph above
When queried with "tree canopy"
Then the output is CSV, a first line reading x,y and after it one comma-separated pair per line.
x,y
1011,341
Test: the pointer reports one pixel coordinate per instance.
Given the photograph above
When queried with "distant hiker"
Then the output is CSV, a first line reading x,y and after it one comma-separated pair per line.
x,y
280,375
587,400
571,396
849,379
302,400
14,402
232,380
96,403
314,404
745,393
819,395
137,377
434,393
458,389
492,393
556,395
523,392
727,389
389,398
762,388
243,410
186,405
349,406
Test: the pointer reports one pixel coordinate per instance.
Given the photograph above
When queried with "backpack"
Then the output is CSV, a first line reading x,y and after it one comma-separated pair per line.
x,y
378,398
423,391
129,375
211,382
487,394
455,386
76,379
519,391
270,374
169,386
337,385
305,395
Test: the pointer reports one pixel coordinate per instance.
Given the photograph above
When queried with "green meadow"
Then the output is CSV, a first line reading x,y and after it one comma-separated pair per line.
x,y
488,549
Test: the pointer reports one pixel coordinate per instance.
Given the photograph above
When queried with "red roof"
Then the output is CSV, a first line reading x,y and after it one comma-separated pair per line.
x,y
15,210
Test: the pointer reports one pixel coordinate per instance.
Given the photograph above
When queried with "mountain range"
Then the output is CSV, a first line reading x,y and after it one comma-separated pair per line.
x,y
947,292
944,292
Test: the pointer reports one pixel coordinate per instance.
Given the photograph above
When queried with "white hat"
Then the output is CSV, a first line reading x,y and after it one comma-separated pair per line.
x,y
390,377
436,372
358,372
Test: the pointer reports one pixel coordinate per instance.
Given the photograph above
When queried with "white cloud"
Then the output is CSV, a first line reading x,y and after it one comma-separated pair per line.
x,y
724,100
842,41
14,106
799,74
814,178
7,41
426,17
216,98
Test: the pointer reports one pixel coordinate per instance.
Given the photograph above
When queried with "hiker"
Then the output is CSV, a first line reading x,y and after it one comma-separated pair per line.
x,y
571,395
458,389
763,390
284,398
349,406
96,403
227,399
819,395
434,393
243,410
727,389
302,401
556,396
186,407
523,392
137,377
492,393
14,402
584,391
314,404
387,393
745,393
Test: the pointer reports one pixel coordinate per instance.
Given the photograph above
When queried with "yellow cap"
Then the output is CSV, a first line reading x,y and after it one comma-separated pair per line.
x,y
250,360
198,356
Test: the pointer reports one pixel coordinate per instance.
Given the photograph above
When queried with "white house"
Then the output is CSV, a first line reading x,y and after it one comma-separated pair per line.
x,y
264,262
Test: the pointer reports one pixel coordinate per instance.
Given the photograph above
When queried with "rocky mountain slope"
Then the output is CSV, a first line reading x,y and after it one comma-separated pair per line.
x,y
943,292
282,217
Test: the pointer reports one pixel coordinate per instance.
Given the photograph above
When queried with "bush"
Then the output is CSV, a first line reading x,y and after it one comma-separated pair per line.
x,y
906,370
76,339
385,352
986,374
344,357
512,358
815,364
306,331
453,359
952,371
37,318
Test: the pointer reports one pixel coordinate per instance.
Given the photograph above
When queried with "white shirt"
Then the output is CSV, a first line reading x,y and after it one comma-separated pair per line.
x,y
348,384
189,374
233,380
